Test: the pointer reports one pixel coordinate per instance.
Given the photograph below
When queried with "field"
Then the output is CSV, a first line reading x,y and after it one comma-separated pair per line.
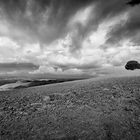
x,y
93,109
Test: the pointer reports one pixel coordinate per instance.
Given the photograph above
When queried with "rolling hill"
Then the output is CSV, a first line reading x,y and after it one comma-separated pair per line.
x,y
100,109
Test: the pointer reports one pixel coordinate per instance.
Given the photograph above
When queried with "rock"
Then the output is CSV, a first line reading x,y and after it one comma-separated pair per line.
x,y
46,99
36,104
105,89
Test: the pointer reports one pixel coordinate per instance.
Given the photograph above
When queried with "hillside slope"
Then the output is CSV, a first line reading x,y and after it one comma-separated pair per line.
x,y
101,109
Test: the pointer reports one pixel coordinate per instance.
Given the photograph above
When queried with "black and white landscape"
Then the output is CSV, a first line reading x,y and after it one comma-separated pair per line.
x,y
69,70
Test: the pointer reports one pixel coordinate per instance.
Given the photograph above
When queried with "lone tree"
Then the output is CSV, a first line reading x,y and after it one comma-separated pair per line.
x,y
133,2
132,65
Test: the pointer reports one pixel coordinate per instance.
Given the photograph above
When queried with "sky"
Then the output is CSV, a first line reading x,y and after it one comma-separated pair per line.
x,y
78,38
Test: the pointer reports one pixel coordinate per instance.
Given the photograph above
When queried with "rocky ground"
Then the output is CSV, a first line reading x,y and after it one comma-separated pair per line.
x,y
101,109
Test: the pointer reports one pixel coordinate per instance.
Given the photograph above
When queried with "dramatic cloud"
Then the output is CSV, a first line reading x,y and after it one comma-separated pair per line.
x,y
48,20
69,37
127,29
44,20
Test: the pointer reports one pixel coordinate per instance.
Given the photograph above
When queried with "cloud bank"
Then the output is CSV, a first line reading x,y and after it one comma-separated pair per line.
x,y
11,67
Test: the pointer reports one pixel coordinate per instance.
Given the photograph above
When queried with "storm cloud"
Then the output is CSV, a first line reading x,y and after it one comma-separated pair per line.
x,y
44,20
48,20
128,29
72,36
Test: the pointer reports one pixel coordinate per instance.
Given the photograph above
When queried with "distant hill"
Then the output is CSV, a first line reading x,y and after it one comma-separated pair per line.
x,y
18,84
